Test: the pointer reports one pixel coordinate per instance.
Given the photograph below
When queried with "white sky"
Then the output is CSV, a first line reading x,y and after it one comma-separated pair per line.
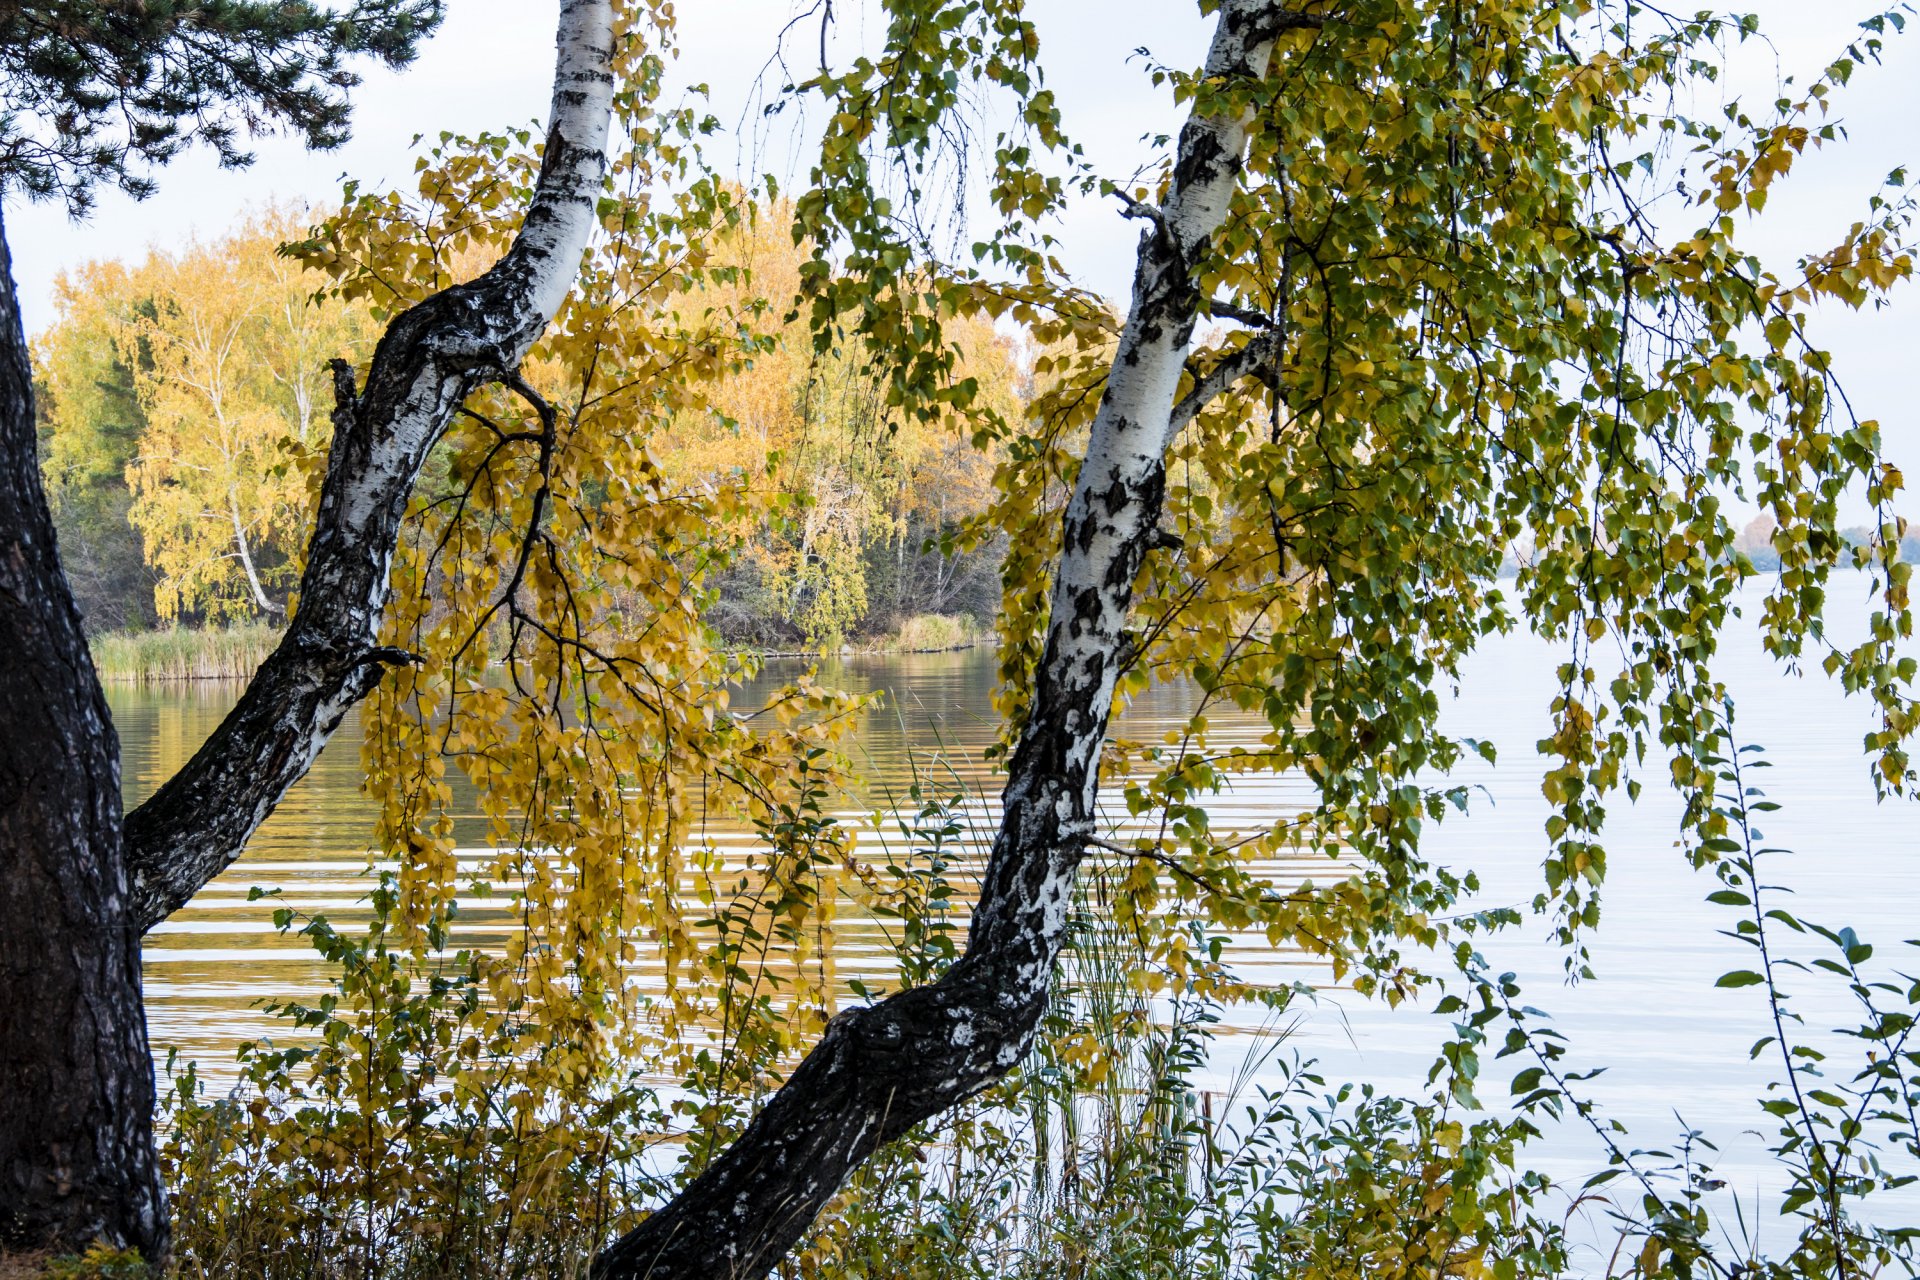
x,y
489,68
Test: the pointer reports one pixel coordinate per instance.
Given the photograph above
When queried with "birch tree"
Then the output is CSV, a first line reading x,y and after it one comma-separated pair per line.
x,y
1453,326
76,1084
230,348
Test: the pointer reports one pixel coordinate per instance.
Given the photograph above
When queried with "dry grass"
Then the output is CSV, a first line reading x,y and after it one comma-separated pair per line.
x,y
183,653
22,1266
935,632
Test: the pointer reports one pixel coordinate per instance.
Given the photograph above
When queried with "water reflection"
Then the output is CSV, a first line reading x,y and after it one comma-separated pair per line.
x,y
213,962
1675,1045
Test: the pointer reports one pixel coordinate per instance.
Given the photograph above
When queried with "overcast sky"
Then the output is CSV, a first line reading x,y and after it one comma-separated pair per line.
x,y
489,67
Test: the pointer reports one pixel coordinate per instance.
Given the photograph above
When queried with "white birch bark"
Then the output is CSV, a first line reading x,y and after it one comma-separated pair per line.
x,y
245,553
882,1069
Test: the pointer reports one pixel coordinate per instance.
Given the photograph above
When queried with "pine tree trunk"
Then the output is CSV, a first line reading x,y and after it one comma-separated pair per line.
x,y
77,1162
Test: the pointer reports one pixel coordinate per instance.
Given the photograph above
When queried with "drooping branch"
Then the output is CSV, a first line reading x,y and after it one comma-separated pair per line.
x,y
426,364
880,1070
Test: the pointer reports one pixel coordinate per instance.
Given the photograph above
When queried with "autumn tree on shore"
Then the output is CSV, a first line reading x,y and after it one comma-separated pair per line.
x,y
91,420
182,407
864,487
221,350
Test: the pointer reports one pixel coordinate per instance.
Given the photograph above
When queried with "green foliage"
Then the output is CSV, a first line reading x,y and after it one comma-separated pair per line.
x,y
103,92
1843,1107
407,1126
1485,346
99,1263
1105,1157
1147,1176
90,423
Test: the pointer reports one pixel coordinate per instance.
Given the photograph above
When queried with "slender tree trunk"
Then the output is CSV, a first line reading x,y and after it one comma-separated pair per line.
x,y
428,361
76,1080
260,600
882,1069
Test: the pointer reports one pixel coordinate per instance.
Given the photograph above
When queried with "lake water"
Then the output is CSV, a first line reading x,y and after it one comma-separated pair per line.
x,y
1675,1047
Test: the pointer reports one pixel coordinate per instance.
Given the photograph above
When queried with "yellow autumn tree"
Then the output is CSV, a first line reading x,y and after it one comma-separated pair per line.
x,y
862,487
90,427
228,343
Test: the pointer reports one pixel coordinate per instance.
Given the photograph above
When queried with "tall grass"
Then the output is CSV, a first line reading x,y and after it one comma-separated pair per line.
x,y
936,632
405,1127
183,653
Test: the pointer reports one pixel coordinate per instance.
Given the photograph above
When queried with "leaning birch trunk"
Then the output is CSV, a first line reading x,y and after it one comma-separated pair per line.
x,y
880,1070
245,553
428,361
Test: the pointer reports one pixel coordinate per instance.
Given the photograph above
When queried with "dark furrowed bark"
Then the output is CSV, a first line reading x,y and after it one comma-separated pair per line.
x,y
76,1080
430,358
881,1070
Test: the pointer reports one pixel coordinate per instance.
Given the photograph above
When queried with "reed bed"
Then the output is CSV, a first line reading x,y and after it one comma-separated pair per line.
x,y
936,632
183,653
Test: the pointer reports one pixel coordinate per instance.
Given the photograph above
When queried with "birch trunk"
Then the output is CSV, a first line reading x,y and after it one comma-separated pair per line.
x,y
245,553
426,364
880,1070
77,889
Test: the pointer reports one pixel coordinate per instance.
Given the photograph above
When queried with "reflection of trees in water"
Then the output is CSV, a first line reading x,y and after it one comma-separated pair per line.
x,y
209,966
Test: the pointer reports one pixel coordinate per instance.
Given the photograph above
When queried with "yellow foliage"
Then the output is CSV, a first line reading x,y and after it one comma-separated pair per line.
x,y
851,471
227,348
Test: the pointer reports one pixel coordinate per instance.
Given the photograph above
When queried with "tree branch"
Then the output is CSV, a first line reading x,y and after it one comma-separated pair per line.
x,y
1258,358
426,364
1221,309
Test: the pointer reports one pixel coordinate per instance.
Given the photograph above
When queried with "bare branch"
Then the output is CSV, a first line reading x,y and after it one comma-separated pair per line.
x,y
1259,358
1221,309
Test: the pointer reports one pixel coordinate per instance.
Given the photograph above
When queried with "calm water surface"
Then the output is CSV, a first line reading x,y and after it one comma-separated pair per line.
x,y
1675,1047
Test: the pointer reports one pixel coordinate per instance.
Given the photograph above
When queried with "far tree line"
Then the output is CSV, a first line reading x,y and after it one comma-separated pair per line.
x,y
182,422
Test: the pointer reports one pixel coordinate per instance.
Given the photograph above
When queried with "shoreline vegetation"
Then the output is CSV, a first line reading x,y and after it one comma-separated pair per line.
x,y
171,654
184,654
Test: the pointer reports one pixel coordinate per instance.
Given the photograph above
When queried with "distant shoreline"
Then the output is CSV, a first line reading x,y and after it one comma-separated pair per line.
x,y
181,655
